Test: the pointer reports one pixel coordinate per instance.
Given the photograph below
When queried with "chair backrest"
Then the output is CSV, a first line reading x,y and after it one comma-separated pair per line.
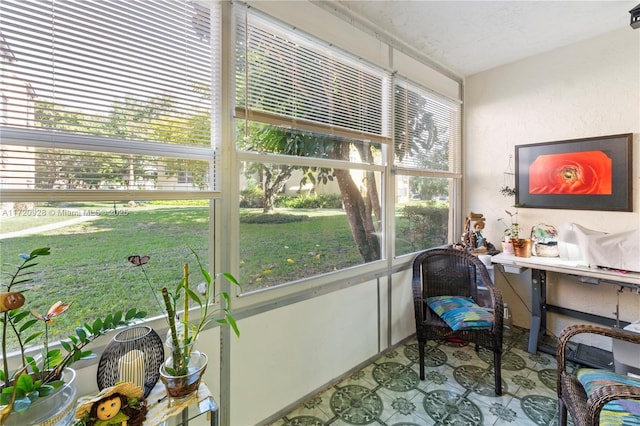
x,y
449,272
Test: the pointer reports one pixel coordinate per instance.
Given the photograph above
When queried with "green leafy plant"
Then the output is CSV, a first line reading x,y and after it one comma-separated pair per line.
x,y
182,332
39,376
512,230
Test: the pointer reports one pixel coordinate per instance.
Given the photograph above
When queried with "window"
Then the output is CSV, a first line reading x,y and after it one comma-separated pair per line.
x,y
108,149
427,161
313,126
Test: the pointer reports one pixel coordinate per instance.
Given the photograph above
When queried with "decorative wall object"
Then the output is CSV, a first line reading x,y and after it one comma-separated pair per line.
x,y
579,174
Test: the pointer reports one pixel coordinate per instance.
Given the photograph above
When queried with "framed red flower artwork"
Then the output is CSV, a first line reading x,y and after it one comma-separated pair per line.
x,y
579,174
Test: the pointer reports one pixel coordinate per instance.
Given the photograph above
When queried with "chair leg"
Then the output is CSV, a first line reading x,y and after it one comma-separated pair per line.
x,y
562,413
421,345
497,372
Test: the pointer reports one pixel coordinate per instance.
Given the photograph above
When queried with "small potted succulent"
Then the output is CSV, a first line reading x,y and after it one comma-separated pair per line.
x,y
184,366
45,380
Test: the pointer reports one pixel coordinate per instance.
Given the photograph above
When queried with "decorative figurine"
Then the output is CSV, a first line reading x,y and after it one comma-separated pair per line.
x,y
474,241
121,405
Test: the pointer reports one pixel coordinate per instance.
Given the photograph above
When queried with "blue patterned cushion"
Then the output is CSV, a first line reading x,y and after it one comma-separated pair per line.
x,y
619,412
461,313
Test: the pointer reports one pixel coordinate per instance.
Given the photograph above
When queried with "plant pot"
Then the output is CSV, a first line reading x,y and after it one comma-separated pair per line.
x,y
507,247
522,247
53,410
181,387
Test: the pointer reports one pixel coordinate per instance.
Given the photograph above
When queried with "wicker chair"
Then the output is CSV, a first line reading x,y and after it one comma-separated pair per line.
x,y
452,272
585,410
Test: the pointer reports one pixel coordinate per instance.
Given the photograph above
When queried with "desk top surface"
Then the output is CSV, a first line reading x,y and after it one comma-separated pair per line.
x,y
565,266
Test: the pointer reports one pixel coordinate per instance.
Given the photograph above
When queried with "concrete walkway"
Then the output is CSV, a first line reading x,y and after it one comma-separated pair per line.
x,y
44,228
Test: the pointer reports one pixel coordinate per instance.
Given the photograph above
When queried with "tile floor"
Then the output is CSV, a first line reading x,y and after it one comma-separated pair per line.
x,y
458,389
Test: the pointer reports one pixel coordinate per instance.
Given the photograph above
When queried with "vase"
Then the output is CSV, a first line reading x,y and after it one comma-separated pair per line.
x,y
53,410
522,247
182,387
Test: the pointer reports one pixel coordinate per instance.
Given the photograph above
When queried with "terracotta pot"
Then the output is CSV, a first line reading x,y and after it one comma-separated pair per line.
x,y
522,247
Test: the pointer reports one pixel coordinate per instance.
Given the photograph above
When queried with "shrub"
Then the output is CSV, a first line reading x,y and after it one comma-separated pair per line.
x,y
320,201
272,218
252,198
425,226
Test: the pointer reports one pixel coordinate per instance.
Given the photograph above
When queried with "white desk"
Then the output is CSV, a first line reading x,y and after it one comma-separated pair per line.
x,y
539,267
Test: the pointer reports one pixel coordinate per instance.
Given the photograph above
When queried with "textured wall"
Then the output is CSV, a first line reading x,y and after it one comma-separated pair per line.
x,y
583,90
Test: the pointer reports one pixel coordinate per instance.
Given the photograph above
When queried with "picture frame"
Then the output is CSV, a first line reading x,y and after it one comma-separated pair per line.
x,y
579,174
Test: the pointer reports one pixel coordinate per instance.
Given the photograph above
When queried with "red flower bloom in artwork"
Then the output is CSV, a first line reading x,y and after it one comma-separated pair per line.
x,y
586,172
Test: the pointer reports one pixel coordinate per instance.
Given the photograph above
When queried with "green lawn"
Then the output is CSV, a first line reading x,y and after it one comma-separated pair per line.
x,y
88,263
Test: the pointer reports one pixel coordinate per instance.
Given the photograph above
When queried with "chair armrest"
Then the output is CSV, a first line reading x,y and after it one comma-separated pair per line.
x,y
605,394
573,330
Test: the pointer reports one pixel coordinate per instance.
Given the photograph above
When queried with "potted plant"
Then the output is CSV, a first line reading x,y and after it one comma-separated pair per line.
x,y
184,366
47,375
521,246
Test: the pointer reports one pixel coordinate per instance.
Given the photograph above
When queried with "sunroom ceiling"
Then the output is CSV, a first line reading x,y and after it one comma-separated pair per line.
x,y
467,37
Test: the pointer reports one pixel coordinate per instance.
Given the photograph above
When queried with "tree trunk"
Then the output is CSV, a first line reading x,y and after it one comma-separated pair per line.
x,y
272,186
360,221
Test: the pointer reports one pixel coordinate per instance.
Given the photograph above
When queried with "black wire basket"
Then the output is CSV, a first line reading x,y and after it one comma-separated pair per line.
x,y
134,355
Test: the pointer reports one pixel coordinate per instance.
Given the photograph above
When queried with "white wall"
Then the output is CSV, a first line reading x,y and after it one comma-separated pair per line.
x,y
292,351
587,89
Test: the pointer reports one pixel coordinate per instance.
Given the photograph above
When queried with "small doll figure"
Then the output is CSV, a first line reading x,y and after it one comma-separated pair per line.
x,y
119,405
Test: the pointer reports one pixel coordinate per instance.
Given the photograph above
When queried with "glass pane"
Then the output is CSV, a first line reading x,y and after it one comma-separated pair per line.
x,y
422,213
44,168
133,70
427,130
281,72
279,140
90,246
294,226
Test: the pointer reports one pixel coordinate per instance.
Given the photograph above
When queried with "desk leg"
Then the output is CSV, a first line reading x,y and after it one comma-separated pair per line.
x,y
538,308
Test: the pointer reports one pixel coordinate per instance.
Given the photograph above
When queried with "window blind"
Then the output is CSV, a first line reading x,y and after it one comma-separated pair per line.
x,y
133,75
427,130
286,78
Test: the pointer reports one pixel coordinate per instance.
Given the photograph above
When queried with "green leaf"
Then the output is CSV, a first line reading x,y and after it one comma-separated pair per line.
x,y
67,347
27,324
97,325
117,318
33,364
231,278
107,323
5,396
82,334
46,390
32,337
24,383
19,316
193,296
87,355
232,323
54,358
130,314
43,251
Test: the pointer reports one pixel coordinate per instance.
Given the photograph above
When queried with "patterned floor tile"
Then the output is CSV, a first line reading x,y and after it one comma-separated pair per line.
x,y
458,389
